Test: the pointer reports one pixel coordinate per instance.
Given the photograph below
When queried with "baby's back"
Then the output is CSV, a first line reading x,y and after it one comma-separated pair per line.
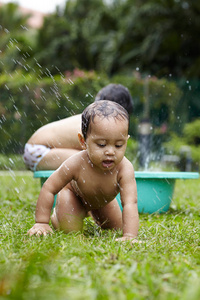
x,y
59,134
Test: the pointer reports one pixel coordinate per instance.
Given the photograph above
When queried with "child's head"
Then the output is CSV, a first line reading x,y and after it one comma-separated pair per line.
x,y
105,133
103,109
117,93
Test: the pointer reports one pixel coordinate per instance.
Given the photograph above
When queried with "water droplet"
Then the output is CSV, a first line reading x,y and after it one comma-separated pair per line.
x,y
18,48
16,189
12,162
24,27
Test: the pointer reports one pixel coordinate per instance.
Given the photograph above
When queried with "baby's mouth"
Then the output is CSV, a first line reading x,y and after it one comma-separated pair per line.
x,y
107,163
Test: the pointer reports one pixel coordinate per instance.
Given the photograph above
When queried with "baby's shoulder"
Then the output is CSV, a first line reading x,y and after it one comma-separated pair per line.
x,y
72,166
125,168
77,159
73,162
125,163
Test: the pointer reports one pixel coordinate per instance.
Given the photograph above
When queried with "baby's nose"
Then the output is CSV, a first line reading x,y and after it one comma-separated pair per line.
x,y
110,151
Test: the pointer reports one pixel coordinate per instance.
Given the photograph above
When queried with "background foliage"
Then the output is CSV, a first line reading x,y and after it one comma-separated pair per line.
x,y
55,71
33,103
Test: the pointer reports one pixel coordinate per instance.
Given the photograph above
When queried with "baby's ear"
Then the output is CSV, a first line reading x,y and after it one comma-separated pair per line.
x,y
82,141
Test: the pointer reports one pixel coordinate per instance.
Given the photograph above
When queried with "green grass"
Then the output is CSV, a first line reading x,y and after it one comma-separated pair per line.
x,y
12,162
91,265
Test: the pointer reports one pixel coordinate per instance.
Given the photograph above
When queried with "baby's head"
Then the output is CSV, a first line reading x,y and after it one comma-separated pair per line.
x,y
116,93
103,109
104,133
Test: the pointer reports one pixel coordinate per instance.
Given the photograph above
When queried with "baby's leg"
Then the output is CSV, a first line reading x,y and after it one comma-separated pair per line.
x,y
109,216
69,212
54,158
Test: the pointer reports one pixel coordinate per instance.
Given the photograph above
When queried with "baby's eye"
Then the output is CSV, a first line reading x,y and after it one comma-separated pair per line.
x,y
118,146
101,145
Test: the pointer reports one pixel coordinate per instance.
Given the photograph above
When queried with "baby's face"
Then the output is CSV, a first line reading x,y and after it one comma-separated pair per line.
x,y
106,142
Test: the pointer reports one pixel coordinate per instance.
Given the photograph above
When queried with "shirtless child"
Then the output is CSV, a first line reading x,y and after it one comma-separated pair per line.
x,y
53,143
91,179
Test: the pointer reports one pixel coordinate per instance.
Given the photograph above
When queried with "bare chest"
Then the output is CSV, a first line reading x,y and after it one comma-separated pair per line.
x,y
96,190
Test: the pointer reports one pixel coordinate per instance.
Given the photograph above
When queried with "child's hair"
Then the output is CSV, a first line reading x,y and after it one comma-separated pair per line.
x,y
116,93
103,109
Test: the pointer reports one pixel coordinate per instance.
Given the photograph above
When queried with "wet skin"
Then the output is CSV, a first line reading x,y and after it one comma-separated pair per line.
x,y
89,181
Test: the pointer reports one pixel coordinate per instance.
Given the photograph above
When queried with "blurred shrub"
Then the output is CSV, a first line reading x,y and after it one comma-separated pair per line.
x,y
163,97
132,150
192,132
29,101
189,143
174,144
12,162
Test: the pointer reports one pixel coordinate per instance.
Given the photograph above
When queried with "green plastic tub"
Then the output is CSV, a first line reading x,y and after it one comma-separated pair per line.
x,y
155,189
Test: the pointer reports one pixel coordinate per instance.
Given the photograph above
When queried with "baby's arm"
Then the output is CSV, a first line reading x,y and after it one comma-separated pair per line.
x,y
61,177
128,192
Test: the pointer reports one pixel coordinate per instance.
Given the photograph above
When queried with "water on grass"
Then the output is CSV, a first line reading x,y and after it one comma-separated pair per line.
x,y
91,265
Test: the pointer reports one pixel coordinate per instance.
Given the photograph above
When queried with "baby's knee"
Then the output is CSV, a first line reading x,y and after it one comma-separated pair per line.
x,y
54,220
66,222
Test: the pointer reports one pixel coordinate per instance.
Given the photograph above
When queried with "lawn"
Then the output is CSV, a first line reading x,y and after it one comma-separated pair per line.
x,y
92,265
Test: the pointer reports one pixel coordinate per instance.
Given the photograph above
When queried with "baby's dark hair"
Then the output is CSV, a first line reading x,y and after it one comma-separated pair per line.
x,y
102,109
116,93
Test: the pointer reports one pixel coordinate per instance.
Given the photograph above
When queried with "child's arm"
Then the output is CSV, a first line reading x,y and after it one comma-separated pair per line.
x,y
128,193
50,188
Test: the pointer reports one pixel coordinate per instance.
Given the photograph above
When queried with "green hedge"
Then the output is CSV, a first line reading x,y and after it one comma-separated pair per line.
x,y
29,101
12,162
186,145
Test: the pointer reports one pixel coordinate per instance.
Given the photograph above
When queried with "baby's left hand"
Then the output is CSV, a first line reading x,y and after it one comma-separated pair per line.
x,y
128,238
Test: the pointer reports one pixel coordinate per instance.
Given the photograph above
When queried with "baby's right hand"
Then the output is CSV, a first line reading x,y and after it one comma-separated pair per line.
x,y
40,229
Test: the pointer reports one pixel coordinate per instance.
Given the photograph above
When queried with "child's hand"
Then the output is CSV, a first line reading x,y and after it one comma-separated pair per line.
x,y
40,229
128,238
